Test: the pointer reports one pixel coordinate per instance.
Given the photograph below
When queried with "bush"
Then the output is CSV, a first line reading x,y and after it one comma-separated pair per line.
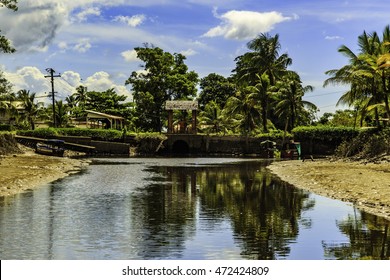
x,y
147,143
274,135
368,144
95,134
324,133
6,127
38,133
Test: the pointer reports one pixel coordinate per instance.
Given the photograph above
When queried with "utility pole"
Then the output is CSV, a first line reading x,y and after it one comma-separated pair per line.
x,y
52,76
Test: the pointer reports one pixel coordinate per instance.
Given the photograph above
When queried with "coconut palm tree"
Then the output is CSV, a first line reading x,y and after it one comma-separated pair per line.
x,y
213,119
31,107
61,114
81,96
367,73
245,108
263,58
289,104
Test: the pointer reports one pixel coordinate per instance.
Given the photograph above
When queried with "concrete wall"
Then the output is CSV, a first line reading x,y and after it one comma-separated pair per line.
x,y
101,147
226,145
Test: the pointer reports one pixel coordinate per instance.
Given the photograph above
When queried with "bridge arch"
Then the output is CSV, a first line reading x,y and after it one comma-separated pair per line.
x,y
180,147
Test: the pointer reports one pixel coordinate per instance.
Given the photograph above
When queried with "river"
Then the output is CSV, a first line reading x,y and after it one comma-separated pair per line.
x,y
184,208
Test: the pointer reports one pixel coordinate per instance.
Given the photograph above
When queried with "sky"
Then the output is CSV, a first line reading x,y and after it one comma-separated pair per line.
x,y
91,42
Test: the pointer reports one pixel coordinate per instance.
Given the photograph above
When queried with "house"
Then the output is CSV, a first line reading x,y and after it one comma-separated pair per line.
x,y
102,120
6,116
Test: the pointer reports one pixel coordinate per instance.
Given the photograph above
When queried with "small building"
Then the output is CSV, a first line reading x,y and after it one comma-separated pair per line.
x,y
102,120
6,117
181,105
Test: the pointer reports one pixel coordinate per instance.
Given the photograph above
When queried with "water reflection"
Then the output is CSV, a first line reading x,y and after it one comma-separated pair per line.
x,y
184,209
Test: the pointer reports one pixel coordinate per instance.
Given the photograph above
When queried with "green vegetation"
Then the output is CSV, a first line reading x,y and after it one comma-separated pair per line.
x,y
368,75
262,98
95,134
324,133
368,144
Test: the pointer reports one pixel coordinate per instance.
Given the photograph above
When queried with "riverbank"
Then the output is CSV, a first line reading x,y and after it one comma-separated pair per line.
x,y
27,171
366,185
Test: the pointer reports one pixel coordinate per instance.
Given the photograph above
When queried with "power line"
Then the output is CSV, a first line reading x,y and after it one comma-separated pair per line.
x,y
323,94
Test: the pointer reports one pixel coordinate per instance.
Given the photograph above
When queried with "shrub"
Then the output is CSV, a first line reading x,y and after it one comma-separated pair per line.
x,y
39,133
147,143
368,144
324,133
95,134
6,127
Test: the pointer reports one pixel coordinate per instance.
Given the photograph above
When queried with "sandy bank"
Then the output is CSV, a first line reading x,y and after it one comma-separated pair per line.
x,y
21,172
365,185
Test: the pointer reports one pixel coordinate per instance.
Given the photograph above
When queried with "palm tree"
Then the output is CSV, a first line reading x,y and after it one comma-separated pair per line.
x,y
81,96
245,107
367,73
263,58
263,95
213,119
290,105
31,108
61,114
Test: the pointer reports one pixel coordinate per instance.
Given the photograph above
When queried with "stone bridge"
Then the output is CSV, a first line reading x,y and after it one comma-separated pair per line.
x,y
213,145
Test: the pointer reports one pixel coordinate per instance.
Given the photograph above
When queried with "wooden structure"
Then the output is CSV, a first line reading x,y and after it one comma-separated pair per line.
x,y
170,106
101,120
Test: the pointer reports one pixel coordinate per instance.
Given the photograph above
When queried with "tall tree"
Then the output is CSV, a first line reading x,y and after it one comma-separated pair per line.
x,y
261,68
215,88
290,105
164,77
5,44
81,96
213,120
263,57
367,74
31,108
61,113
244,106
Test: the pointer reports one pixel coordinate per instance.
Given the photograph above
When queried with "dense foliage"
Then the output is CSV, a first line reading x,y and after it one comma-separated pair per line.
x,y
164,77
324,133
96,134
261,97
367,144
368,75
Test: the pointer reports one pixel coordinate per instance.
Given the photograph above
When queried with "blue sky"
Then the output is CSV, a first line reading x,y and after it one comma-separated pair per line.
x,y
91,42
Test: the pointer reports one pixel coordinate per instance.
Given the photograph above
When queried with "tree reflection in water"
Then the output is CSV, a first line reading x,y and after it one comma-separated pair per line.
x,y
265,214
368,238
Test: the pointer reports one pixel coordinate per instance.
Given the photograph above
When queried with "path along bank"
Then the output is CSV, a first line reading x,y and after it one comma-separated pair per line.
x,y
365,185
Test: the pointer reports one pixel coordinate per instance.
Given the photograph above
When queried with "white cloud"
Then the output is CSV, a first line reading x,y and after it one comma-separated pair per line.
x,y
91,11
188,52
332,38
83,45
102,81
32,79
34,25
133,21
130,56
72,78
243,25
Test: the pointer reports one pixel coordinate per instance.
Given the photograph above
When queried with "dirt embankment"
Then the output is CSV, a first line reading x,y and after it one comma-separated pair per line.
x,y
21,169
22,172
365,185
